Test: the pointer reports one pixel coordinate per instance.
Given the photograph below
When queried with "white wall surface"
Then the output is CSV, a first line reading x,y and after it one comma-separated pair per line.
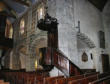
x,y
68,13
90,24
106,22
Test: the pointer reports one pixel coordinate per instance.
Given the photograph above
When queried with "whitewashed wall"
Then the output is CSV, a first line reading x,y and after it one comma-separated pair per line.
x,y
63,10
68,13
90,24
106,22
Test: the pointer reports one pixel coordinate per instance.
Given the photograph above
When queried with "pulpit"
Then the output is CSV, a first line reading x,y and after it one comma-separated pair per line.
x,y
49,24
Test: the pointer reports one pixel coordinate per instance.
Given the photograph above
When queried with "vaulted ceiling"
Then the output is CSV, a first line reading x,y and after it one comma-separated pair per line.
x,y
16,8
99,3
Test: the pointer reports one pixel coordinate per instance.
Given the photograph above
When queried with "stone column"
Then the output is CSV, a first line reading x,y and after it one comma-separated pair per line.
x,y
15,55
16,60
29,58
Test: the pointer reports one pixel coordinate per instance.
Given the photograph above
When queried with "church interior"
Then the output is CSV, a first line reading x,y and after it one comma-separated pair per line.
x,y
54,41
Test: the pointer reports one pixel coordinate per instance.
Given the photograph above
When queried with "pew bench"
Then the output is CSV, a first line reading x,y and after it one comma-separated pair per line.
x,y
102,75
85,80
90,74
51,80
105,80
61,81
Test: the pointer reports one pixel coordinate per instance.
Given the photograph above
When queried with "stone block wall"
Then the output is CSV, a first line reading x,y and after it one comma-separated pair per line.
x,y
32,39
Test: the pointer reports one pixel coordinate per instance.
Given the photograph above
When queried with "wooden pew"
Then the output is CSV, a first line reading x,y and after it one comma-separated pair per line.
x,y
103,75
18,77
79,81
61,81
82,76
105,80
91,78
85,80
51,80
90,74
75,78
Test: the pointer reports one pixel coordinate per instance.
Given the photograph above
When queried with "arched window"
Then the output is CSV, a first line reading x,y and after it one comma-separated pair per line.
x,y
40,12
11,32
22,25
8,30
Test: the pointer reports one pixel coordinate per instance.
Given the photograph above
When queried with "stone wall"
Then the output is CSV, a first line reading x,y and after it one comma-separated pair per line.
x,y
68,13
67,40
106,22
32,39
90,24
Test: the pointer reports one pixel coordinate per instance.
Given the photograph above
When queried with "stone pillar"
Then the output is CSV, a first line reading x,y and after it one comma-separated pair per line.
x,y
15,55
29,58
15,60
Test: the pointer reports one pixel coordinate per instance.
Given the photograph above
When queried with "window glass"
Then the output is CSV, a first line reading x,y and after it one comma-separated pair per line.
x,y
40,12
22,25
11,32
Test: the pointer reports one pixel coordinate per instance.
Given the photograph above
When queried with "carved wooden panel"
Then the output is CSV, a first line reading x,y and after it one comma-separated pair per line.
x,y
46,56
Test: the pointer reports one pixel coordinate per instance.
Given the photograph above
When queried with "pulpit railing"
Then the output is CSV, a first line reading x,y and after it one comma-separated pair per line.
x,y
58,59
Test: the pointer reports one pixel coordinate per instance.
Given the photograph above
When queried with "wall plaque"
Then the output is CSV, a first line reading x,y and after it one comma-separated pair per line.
x,y
84,57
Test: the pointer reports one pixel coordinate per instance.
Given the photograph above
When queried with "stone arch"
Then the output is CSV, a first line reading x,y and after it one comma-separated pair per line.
x,y
37,43
22,49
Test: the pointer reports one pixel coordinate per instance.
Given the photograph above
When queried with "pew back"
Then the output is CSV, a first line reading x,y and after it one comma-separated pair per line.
x,y
105,80
79,81
61,81
51,80
75,77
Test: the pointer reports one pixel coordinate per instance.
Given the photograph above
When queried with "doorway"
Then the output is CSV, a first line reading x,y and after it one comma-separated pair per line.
x,y
105,62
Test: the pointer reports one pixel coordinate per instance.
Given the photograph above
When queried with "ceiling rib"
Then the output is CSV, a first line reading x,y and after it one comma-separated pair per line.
x,y
22,2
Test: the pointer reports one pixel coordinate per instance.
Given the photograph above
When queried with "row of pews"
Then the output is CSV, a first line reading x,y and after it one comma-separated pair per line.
x,y
89,78
22,77
43,78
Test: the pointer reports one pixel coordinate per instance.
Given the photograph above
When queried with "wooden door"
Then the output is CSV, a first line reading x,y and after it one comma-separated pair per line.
x,y
105,62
